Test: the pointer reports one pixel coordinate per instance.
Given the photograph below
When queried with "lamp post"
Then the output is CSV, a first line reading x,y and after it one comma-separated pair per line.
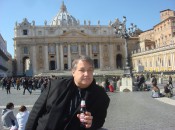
x,y
123,32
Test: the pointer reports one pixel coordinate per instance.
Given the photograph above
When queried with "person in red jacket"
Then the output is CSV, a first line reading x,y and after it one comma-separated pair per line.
x,y
111,88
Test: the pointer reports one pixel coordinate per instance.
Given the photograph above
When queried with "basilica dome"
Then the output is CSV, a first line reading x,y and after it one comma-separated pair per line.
x,y
63,18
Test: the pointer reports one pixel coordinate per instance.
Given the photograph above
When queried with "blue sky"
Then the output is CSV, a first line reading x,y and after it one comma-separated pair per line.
x,y
144,13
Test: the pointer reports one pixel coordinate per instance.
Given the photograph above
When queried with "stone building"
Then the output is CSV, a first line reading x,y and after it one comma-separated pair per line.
x,y
50,48
156,50
5,59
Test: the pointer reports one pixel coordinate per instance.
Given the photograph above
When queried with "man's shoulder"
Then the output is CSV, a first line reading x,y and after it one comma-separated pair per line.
x,y
99,90
62,81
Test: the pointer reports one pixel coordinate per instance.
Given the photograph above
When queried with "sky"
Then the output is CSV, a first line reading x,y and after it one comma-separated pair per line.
x,y
143,13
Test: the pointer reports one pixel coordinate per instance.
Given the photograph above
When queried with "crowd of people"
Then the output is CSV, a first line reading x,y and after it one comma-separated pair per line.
x,y
27,83
33,83
167,90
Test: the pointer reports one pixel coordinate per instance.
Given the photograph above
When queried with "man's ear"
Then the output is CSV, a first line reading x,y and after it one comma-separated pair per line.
x,y
73,71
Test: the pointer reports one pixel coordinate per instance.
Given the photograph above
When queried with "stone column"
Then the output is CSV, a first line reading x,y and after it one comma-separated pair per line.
x,y
87,49
164,61
79,49
90,50
57,57
19,60
172,61
101,55
69,57
153,65
46,58
34,63
61,56
111,56
173,66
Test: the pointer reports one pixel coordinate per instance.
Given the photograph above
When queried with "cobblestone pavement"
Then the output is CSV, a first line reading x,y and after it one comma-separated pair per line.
x,y
127,110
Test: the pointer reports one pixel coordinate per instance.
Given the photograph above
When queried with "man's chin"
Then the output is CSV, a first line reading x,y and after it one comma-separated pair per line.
x,y
85,85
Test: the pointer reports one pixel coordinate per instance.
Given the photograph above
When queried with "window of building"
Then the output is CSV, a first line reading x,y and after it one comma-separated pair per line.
x,y
51,49
104,31
83,50
64,31
65,50
74,48
95,49
169,62
25,32
39,32
26,51
118,47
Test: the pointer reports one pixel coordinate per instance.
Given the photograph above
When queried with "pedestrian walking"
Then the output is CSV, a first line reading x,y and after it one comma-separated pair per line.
x,y
18,84
26,85
8,86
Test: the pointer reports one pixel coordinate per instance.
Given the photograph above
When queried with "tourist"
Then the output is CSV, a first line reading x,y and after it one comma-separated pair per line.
x,y
8,86
155,90
26,85
8,118
22,117
167,91
111,87
58,106
170,81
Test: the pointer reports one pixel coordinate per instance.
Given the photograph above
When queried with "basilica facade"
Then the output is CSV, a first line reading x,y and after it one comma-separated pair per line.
x,y
50,48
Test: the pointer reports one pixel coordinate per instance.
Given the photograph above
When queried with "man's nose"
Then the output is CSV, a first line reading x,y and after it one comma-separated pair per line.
x,y
86,72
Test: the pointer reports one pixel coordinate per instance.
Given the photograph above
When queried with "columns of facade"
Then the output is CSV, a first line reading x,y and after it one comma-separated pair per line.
x,y
57,57
19,61
101,55
173,65
172,61
34,63
87,49
46,58
61,56
79,49
111,56
69,57
153,63
164,61
90,50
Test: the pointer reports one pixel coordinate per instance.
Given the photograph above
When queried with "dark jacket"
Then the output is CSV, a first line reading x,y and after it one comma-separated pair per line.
x,y
49,109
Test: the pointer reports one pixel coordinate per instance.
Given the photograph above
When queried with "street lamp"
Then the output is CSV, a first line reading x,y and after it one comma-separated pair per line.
x,y
123,32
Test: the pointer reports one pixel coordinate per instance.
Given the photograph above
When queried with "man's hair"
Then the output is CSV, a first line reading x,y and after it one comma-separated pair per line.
x,y
82,58
9,105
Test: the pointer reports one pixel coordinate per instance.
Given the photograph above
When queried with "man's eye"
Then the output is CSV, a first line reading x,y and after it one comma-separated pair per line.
x,y
82,70
91,70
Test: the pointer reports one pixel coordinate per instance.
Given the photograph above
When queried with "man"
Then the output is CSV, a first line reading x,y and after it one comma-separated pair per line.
x,y
58,106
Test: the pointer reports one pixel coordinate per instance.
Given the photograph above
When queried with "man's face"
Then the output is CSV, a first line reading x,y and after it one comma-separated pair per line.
x,y
83,74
